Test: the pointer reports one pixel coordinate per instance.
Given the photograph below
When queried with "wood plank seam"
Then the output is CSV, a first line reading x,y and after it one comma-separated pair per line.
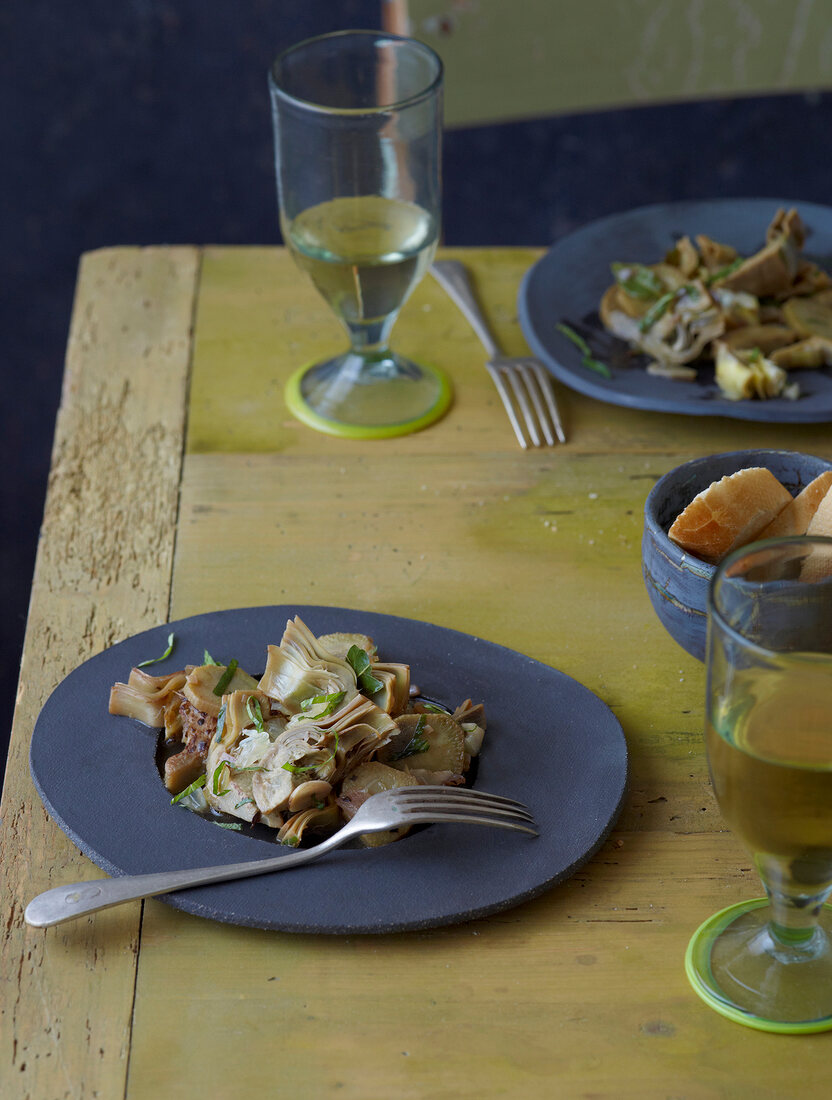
x,y
183,439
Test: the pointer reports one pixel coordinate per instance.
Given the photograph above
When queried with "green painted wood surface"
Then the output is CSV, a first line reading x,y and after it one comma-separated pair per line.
x,y
578,993
540,57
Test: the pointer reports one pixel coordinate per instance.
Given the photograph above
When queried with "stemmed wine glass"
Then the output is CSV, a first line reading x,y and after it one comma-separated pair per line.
x,y
767,962
357,129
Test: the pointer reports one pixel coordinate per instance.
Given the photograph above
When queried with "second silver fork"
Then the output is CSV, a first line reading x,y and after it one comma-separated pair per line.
x,y
523,385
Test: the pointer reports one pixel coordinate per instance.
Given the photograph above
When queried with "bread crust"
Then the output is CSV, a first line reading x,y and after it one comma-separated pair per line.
x,y
821,521
818,565
798,513
729,513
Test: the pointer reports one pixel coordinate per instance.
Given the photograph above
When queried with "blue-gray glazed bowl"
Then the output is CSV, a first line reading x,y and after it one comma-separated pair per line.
x,y
677,582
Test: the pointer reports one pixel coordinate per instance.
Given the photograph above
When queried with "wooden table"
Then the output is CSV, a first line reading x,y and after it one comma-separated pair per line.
x,y
179,484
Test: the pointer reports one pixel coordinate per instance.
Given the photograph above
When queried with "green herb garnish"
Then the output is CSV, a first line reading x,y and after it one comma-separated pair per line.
x,y
575,337
657,310
207,659
434,708
197,783
153,660
291,840
330,704
220,722
298,769
588,359
243,802
359,661
216,782
228,825
597,366
255,713
724,272
226,678
247,768
417,743
638,281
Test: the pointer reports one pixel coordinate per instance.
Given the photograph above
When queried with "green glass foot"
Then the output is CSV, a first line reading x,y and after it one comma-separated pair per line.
x,y
355,399
736,968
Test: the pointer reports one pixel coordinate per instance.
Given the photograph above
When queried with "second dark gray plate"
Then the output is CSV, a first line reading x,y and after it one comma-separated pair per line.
x,y
567,283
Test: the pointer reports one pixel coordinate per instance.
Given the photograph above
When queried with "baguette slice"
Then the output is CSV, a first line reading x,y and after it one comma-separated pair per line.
x,y
818,565
729,513
796,516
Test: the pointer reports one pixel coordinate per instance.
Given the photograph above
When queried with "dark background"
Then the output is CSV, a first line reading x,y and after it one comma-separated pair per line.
x,y
147,122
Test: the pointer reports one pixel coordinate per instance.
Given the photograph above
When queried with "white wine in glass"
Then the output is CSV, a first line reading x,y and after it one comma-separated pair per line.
x,y
364,253
357,124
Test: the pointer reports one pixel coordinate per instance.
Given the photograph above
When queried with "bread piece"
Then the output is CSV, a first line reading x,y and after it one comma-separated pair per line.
x,y
818,565
729,513
795,517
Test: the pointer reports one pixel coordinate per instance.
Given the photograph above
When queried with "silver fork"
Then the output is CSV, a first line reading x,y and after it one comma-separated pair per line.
x,y
529,389
401,807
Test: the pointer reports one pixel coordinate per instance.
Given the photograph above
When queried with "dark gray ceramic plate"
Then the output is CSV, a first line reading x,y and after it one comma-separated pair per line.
x,y
567,283
551,743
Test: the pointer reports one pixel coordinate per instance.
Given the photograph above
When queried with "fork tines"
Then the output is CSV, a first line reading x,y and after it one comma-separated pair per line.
x,y
528,395
462,804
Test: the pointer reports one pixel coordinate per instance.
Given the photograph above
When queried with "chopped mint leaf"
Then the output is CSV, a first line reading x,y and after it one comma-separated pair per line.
x,y
226,678
216,782
153,660
197,783
255,713
298,769
597,366
575,337
417,743
359,661
638,281
724,272
328,703
220,723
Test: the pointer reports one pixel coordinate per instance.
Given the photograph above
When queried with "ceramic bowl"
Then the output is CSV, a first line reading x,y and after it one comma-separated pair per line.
x,y
677,582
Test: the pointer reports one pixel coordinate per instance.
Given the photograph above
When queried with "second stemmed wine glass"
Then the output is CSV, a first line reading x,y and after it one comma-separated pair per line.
x,y
767,963
357,127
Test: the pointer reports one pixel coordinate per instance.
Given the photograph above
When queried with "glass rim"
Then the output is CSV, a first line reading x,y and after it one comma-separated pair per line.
x,y
381,108
715,615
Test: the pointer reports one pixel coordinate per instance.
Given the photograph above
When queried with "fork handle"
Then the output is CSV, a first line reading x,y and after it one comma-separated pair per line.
x,y
75,899
453,277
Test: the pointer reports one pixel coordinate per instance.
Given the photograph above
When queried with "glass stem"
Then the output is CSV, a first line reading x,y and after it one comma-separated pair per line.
x,y
793,925
371,340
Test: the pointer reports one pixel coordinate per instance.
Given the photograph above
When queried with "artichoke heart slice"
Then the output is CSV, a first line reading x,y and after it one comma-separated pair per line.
x,y
814,351
677,329
369,779
395,693
147,698
811,316
340,644
238,707
301,668
426,743
748,374
324,818
320,749
201,681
